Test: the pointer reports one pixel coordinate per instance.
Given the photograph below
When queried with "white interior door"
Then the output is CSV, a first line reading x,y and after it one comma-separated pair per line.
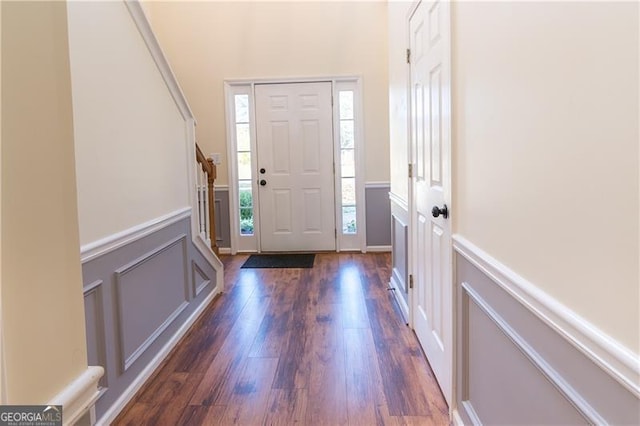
x,y
295,166
431,157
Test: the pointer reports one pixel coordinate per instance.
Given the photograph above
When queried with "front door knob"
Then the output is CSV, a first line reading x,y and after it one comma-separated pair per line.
x,y
263,182
262,170
437,211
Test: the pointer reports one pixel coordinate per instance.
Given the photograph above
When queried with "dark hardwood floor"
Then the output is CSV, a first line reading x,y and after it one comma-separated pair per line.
x,y
321,346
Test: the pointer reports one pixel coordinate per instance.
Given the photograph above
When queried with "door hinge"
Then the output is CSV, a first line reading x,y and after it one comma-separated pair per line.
x,y
408,56
410,171
411,281
335,232
331,100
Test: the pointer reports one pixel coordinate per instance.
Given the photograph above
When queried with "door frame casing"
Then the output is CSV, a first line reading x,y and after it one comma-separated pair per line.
x,y
448,194
232,87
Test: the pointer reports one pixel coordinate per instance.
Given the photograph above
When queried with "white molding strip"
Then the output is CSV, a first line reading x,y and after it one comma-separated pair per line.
x,y
375,185
140,18
401,202
105,245
217,187
79,396
613,357
378,249
224,250
115,409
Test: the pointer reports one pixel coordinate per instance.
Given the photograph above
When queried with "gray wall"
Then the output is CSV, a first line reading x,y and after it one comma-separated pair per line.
x,y
136,298
377,208
514,369
378,215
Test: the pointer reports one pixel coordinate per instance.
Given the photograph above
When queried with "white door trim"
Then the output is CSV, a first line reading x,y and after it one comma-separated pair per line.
x,y
232,87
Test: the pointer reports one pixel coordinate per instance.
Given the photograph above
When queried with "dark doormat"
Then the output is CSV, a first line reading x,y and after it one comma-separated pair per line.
x,y
280,261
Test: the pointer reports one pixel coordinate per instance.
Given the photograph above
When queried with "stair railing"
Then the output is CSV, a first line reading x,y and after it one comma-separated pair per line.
x,y
206,175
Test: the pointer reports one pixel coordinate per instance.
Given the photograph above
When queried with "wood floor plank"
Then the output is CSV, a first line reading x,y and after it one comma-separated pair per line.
x,y
273,332
327,386
364,383
136,413
218,381
191,415
318,346
286,407
173,397
248,403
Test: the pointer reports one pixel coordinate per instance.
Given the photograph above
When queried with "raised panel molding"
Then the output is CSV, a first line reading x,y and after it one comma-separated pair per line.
x,y
217,203
615,359
127,358
200,279
95,329
399,263
589,414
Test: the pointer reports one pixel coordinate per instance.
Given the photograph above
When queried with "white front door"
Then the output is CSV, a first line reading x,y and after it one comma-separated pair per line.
x,y
431,160
295,166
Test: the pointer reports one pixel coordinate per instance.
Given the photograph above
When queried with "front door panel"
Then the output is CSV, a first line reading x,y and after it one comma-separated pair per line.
x,y
295,148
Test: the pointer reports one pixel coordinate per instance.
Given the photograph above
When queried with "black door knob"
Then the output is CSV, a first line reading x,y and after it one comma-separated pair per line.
x,y
437,211
262,170
263,182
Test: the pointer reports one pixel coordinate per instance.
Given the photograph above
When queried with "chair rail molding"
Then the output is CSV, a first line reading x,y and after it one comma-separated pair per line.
x,y
112,242
610,355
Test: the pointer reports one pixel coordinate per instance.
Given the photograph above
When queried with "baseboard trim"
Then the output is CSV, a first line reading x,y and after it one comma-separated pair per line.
x,y
112,242
379,249
614,358
113,411
224,250
404,308
79,396
456,419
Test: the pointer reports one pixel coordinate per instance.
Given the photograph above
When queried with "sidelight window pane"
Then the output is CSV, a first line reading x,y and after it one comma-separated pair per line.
x,y
349,220
346,134
242,108
243,139
348,163
244,165
346,105
348,191
246,207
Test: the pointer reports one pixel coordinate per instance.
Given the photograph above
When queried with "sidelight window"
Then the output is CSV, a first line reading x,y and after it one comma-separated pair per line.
x,y
347,161
243,151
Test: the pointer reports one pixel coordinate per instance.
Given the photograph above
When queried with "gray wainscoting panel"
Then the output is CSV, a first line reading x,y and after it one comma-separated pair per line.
x,y
399,255
136,298
514,369
223,222
378,215
148,299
